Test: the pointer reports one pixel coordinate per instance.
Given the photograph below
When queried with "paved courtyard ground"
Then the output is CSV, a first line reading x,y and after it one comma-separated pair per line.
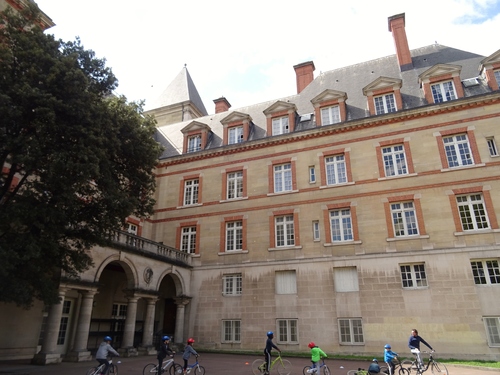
x,y
214,363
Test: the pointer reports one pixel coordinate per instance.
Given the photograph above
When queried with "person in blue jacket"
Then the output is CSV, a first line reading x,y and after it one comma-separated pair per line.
x,y
389,357
267,351
414,345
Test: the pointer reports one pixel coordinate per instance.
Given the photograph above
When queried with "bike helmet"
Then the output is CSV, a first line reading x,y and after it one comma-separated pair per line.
x,y
375,360
190,340
165,338
387,346
311,345
270,334
108,338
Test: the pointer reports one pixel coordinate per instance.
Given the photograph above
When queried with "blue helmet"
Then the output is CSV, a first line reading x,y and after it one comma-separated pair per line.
x,y
387,346
108,338
165,338
270,333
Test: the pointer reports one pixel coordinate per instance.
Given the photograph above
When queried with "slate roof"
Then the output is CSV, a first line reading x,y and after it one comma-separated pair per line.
x,y
351,79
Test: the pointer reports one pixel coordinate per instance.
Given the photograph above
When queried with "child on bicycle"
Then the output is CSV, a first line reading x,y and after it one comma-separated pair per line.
x,y
163,352
389,357
316,355
103,352
267,351
188,350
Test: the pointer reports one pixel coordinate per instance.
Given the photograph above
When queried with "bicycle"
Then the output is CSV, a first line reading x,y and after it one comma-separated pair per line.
x,y
384,370
437,368
284,366
198,369
97,370
322,367
152,368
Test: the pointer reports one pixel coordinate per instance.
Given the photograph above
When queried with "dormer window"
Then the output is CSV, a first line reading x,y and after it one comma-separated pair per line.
x,y
281,118
235,135
330,115
236,128
384,104
442,83
384,95
280,125
195,137
194,143
329,107
443,92
490,70
497,77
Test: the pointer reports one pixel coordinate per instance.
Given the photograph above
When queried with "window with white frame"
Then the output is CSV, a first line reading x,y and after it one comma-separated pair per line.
x,y
497,76
232,284
472,210
384,104
285,232
235,135
394,160
335,169
231,331
345,279
131,228
287,331
188,240
330,115
485,271
191,191
492,325
341,225
404,219
457,150
316,232
194,143
443,91
492,146
286,282
280,125
119,313
235,185
283,178
312,174
413,276
63,323
350,331
234,235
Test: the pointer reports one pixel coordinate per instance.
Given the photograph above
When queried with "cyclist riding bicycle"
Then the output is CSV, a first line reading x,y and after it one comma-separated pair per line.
x,y
103,353
267,351
164,351
414,345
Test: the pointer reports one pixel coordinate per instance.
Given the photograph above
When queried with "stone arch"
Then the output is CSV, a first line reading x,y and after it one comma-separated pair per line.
x,y
177,278
128,267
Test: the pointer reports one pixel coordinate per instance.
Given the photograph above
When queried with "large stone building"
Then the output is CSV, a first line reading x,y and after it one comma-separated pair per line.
x,y
362,206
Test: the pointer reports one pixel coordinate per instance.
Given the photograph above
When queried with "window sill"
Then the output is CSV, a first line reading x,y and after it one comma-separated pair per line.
x,y
340,243
189,206
460,167
478,231
282,193
231,252
284,248
416,288
405,238
336,185
398,176
233,200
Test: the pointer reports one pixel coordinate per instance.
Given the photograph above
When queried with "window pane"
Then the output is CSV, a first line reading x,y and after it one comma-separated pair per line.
x,y
286,282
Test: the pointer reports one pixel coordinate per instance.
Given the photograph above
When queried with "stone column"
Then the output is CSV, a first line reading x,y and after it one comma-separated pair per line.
x,y
147,334
181,303
48,353
80,352
129,330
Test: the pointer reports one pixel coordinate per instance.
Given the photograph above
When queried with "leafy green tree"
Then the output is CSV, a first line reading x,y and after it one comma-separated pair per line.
x,y
76,160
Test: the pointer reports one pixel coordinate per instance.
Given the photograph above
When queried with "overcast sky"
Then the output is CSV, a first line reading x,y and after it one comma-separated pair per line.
x,y
246,50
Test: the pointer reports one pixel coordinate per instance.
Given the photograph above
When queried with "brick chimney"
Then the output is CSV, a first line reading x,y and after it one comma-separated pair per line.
x,y
397,26
221,105
304,74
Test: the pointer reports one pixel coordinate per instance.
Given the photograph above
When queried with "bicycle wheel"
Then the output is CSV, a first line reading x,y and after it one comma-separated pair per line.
x,y
176,369
403,371
199,370
438,368
258,366
409,365
326,370
150,368
307,370
284,367
113,369
92,371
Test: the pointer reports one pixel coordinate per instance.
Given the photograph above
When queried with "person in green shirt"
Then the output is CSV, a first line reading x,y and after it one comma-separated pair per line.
x,y
316,355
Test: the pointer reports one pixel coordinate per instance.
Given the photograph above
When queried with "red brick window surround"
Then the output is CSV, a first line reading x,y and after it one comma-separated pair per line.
x,y
236,128
188,237
284,229
195,137
341,223
190,190
384,96
404,217
280,118
282,176
335,167
490,70
234,183
394,158
442,83
330,107
457,148
233,233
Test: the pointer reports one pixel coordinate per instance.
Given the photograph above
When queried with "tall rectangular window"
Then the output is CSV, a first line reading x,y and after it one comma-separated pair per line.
x,y
131,228
286,282
287,331
330,115
497,77
404,219
119,313
312,174
345,279
235,135
485,271
413,276
188,240
341,225
457,150
280,125
191,191
194,143
473,215
285,232
316,232
492,325
384,104
492,147
394,160
63,324
335,168
232,284
231,331
283,178
443,92
234,235
235,185
351,331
